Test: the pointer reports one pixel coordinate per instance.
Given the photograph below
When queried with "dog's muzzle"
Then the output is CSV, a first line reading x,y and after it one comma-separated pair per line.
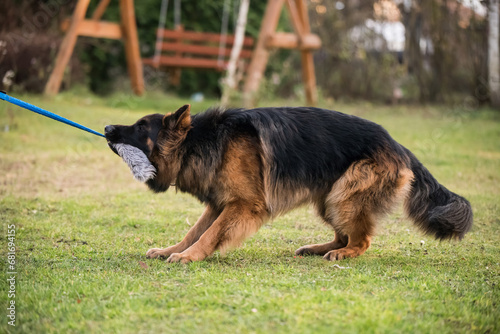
x,y
108,129
109,134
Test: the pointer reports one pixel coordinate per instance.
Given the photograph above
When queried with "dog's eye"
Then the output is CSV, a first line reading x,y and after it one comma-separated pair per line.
x,y
141,125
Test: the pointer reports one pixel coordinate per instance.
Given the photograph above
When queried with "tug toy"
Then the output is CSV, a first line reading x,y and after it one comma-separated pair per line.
x,y
137,161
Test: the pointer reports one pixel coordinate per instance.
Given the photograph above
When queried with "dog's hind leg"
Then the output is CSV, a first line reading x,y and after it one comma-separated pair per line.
x,y
203,223
359,240
368,189
237,221
340,241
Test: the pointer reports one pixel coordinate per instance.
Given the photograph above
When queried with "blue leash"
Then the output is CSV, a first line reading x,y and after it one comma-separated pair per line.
x,y
25,105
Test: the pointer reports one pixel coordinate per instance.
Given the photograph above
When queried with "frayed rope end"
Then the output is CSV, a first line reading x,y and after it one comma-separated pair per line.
x,y
137,161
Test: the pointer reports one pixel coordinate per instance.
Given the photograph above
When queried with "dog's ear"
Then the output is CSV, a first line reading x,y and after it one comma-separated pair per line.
x,y
181,119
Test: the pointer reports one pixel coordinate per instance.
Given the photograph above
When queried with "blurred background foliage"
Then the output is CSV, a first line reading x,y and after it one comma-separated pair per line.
x,y
443,56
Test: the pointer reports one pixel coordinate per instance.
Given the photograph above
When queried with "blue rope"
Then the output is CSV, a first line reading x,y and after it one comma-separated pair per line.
x,y
25,105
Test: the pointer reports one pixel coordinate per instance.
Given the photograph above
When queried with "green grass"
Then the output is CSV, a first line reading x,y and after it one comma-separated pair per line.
x,y
83,226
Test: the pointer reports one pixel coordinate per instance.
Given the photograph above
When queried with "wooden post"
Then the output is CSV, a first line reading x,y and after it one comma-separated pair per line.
x,y
295,17
134,62
268,38
100,9
79,26
308,75
176,73
66,48
261,54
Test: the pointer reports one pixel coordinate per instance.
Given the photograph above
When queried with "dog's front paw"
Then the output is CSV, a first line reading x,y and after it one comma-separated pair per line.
x,y
340,254
306,250
158,252
178,257
186,257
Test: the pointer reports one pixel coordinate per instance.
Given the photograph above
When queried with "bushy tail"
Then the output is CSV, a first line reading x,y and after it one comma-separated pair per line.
x,y
434,208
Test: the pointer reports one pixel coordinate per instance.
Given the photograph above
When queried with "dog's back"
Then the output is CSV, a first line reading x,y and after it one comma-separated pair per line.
x,y
304,150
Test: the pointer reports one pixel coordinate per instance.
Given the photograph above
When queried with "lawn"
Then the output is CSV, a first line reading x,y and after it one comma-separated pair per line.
x,y
83,224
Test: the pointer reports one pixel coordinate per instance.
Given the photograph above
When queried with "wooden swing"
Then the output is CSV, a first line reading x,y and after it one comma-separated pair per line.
x,y
191,49
179,48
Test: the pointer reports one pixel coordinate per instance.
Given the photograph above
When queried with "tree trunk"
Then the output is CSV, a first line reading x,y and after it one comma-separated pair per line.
x,y
493,54
230,82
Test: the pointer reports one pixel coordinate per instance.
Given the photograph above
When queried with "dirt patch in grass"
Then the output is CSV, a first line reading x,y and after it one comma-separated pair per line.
x,y
64,175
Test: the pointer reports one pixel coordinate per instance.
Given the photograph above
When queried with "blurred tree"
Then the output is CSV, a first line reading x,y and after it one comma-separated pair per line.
x,y
493,55
345,67
439,37
28,43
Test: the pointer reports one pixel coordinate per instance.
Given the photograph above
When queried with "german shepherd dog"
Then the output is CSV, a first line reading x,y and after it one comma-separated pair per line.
x,y
249,166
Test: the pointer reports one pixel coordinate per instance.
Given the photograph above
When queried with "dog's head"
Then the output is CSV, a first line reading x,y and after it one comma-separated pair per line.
x,y
159,137
142,134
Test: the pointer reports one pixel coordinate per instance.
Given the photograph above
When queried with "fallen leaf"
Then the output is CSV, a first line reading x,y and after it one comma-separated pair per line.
x,y
143,265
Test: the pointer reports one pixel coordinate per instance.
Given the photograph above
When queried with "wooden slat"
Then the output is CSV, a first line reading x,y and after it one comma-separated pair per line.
x,y
184,44
176,72
66,48
203,37
201,49
308,75
186,62
131,41
99,29
287,40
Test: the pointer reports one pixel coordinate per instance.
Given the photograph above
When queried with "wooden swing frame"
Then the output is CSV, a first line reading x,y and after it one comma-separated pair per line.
x,y
126,30
302,39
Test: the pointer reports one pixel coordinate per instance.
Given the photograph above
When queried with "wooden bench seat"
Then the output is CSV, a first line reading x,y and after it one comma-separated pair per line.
x,y
190,49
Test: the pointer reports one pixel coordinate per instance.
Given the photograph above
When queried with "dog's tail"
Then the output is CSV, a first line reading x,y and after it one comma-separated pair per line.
x,y
435,209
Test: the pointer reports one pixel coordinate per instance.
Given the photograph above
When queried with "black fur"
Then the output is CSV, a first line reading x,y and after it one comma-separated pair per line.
x,y
434,208
311,146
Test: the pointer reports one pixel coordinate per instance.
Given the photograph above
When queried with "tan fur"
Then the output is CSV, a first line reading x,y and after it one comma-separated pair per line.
x,y
165,155
242,199
204,222
281,197
242,186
